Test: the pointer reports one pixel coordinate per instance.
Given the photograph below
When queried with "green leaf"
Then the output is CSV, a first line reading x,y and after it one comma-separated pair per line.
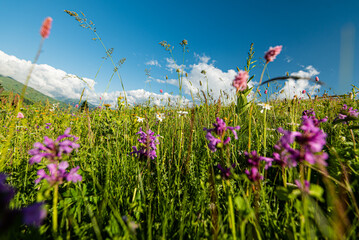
x,y
316,191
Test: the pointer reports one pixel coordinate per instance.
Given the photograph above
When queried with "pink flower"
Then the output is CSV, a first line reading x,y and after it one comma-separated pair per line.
x,y
316,79
272,53
304,91
240,81
100,98
266,91
161,91
76,106
46,27
20,115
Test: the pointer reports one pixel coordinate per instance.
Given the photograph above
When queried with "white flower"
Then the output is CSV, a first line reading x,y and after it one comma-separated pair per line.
x,y
139,119
182,113
160,116
264,106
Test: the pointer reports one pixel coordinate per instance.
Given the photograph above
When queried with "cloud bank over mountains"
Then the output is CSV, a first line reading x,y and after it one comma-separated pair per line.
x,y
197,77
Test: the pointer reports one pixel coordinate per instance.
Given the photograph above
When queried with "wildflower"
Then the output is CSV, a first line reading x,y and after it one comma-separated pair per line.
x,y
148,143
254,161
53,150
240,81
161,91
139,119
311,114
304,91
182,113
266,91
58,173
20,115
31,215
46,27
76,106
160,116
264,106
48,125
34,214
311,142
272,53
304,188
219,129
226,173
317,79
346,112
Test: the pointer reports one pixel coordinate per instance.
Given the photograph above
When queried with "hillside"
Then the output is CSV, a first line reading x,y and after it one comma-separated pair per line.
x,y
31,95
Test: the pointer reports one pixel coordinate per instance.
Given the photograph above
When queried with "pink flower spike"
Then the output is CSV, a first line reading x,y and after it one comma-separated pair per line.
x,y
161,91
20,115
240,81
304,91
266,91
76,106
46,27
272,53
316,79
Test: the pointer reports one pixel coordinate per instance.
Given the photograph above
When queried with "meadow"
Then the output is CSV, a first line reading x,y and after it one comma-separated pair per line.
x,y
242,170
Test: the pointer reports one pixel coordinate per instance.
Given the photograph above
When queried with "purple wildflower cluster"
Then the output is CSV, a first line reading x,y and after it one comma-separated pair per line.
x,y
302,188
254,161
219,129
346,112
311,114
148,143
311,141
226,172
53,150
30,215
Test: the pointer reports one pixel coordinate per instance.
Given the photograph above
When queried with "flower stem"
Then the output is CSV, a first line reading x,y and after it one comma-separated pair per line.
x,y
54,207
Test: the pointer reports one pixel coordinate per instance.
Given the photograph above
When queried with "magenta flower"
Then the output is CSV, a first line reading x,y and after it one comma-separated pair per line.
x,y
254,161
240,81
219,129
272,53
317,79
20,115
53,150
148,143
311,142
161,91
266,91
304,91
346,112
58,174
311,114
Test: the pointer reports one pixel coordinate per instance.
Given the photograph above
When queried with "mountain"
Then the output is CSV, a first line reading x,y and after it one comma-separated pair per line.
x,y
33,96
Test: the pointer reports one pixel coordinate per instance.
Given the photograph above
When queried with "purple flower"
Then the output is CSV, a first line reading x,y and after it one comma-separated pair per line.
x,y
6,192
304,188
345,113
226,173
219,129
253,174
58,174
148,142
254,161
53,150
311,142
34,214
311,114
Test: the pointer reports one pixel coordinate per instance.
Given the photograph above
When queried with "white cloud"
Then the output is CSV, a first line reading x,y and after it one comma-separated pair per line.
x,y
57,83
172,66
292,87
153,63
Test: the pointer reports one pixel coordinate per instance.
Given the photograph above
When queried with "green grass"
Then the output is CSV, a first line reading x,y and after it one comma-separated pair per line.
x,y
174,196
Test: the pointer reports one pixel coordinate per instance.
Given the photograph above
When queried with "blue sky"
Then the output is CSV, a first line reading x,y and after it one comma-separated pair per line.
x,y
219,34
